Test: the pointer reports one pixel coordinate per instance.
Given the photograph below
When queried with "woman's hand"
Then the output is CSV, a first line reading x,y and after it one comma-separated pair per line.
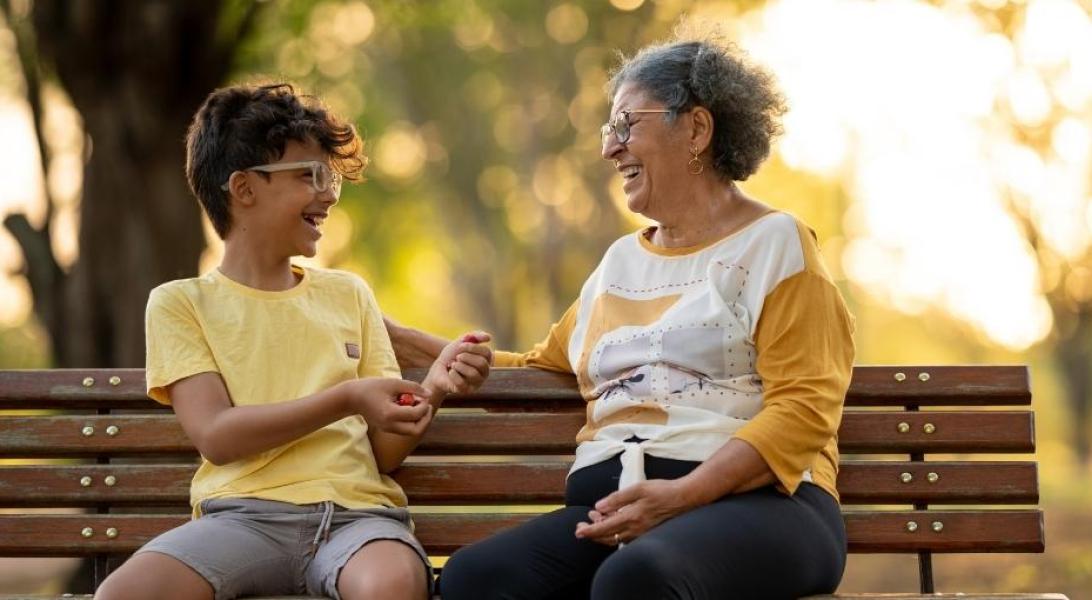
x,y
628,513
462,366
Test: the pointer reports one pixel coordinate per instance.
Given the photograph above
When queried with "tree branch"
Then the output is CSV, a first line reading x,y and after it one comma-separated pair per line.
x,y
223,51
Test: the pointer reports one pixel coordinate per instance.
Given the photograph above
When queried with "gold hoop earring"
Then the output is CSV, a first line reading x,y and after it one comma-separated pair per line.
x,y
695,166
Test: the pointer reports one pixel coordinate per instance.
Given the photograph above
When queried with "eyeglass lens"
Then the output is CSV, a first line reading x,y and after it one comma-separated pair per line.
x,y
619,126
324,178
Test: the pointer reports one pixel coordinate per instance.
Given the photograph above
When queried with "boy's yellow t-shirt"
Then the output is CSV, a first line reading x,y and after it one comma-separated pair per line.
x,y
274,347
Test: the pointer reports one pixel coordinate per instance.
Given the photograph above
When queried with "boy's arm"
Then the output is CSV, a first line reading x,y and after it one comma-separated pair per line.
x,y
224,433
460,367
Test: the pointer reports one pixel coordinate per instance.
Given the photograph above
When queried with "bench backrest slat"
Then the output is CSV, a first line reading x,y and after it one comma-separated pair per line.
x,y
521,433
524,388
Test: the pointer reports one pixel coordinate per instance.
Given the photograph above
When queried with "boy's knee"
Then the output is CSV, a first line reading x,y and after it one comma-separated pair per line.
x,y
126,583
398,579
154,577
122,584
109,589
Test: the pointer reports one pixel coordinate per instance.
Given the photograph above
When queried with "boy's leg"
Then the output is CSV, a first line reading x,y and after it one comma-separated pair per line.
x,y
153,575
239,547
370,554
384,569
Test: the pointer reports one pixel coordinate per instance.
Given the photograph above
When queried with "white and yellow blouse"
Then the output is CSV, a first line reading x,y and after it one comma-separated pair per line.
x,y
686,348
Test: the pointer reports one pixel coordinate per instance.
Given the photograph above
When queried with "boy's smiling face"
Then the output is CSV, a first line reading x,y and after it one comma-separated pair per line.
x,y
286,210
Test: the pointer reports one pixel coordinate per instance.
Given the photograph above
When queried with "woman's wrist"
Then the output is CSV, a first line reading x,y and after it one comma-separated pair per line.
x,y
694,490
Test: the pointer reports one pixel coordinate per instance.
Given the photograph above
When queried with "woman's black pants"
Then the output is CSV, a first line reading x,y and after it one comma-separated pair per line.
x,y
761,544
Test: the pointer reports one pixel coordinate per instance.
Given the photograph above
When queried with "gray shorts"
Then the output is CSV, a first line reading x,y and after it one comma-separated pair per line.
x,y
249,547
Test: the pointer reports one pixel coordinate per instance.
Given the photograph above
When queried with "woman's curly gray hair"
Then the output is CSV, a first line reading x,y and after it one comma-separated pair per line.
x,y
743,98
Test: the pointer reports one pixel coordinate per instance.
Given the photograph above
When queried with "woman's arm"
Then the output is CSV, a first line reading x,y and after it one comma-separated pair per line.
x,y
416,348
413,348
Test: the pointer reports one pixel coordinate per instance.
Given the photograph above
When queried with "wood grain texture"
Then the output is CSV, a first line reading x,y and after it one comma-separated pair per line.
x,y
443,533
536,389
520,433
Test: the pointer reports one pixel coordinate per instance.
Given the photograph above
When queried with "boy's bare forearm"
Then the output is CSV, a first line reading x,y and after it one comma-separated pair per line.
x,y
243,431
390,450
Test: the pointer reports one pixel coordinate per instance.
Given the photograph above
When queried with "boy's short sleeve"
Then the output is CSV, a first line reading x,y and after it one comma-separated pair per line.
x,y
175,345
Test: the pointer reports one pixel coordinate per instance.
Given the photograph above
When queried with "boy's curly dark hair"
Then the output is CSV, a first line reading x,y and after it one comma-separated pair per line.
x,y
713,73
243,126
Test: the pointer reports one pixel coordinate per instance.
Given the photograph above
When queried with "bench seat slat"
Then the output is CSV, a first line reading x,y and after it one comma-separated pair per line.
x,y
522,433
535,481
964,531
878,531
536,389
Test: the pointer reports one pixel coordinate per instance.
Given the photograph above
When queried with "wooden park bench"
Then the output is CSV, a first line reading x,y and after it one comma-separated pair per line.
x,y
116,466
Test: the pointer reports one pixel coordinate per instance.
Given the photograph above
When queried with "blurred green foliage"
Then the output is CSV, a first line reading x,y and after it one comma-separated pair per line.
x,y
486,194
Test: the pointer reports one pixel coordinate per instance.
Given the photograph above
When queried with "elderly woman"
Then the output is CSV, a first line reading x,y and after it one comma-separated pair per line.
x,y
714,353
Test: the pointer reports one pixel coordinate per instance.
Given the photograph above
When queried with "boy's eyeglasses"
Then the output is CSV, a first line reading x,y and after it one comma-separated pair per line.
x,y
620,125
322,176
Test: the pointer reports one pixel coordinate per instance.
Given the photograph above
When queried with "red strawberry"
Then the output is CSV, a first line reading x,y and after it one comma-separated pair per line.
x,y
473,339
406,400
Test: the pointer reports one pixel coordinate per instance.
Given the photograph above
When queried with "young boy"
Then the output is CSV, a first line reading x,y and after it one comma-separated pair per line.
x,y
284,378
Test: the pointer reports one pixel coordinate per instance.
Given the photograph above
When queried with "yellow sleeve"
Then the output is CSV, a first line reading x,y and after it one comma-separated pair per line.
x,y
804,347
377,356
175,345
551,354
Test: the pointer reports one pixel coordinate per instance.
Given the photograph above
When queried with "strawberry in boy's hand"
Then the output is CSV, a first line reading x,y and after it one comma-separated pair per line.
x,y
406,400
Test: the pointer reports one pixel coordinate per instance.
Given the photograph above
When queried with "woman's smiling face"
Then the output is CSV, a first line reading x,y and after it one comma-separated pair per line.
x,y
654,156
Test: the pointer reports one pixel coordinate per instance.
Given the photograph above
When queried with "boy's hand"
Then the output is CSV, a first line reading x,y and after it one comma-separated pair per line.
x,y
377,400
463,365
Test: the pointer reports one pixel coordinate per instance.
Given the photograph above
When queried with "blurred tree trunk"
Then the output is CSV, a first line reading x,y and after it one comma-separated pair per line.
x,y
136,71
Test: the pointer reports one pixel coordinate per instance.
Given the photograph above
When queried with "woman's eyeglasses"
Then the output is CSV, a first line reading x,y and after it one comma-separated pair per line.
x,y
620,124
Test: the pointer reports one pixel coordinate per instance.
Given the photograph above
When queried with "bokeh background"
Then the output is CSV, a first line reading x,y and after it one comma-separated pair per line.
x,y
942,150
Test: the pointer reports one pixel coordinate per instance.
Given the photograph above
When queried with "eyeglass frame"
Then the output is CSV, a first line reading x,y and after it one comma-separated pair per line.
x,y
333,183
623,117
